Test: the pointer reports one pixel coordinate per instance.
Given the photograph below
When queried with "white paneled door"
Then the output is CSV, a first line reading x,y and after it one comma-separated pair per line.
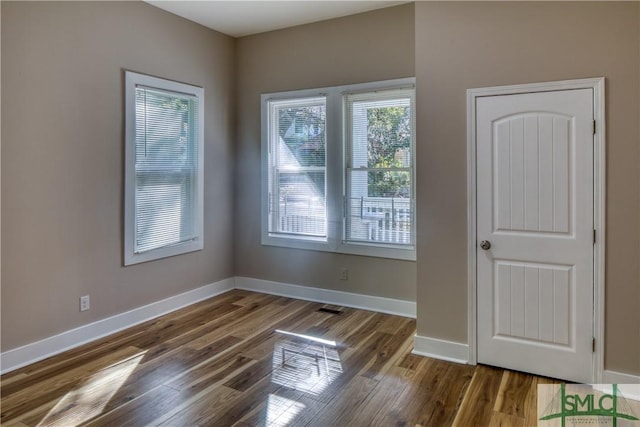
x,y
535,235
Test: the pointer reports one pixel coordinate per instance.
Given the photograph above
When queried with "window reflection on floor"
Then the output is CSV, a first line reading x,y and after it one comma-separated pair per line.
x,y
305,363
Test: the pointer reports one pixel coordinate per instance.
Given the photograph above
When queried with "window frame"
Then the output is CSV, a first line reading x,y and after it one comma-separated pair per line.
x,y
133,80
374,97
276,170
336,170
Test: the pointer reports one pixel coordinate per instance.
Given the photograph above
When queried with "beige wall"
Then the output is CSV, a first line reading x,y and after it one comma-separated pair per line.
x,y
477,44
62,159
372,46
62,148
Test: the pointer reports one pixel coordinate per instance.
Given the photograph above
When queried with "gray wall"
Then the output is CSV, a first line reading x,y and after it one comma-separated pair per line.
x,y
477,44
372,46
62,159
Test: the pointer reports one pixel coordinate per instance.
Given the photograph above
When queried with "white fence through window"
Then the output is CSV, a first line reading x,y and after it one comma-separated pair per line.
x,y
380,219
372,219
300,214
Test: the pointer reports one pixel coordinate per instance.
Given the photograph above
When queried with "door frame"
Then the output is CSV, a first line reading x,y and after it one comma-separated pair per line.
x,y
599,197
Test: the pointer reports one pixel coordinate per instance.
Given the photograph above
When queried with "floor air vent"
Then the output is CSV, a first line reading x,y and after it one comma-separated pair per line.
x,y
328,310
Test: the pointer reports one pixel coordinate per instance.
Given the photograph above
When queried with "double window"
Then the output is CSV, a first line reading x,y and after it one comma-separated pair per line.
x,y
163,168
338,171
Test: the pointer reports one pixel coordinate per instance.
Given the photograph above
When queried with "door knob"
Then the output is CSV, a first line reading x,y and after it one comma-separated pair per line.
x,y
485,244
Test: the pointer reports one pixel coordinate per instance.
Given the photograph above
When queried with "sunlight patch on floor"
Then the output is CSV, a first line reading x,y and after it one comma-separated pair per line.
x,y
281,411
308,337
89,399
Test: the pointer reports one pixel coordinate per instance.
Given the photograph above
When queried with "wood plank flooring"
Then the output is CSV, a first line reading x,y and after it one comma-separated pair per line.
x,y
249,359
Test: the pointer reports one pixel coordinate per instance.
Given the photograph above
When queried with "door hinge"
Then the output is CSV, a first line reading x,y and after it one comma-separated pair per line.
x,y
594,236
594,127
593,345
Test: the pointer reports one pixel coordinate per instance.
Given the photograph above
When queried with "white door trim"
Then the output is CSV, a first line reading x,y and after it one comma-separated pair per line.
x,y
598,86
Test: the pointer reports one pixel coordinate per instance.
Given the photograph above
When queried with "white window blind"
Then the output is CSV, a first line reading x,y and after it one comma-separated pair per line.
x,y
379,172
297,167
164,168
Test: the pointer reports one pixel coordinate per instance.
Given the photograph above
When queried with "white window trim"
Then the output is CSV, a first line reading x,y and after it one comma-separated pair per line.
x,y
335,181
132,80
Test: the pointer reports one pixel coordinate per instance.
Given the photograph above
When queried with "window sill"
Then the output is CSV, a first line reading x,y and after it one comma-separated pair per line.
x,y
323,245
132,258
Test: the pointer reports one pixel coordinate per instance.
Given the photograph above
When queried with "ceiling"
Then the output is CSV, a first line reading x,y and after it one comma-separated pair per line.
x,y
245,17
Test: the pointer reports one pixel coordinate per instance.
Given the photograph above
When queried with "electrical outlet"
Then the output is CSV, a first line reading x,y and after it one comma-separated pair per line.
x,y
84,303
344,274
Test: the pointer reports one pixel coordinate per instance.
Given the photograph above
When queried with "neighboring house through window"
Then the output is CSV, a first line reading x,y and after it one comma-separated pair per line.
x,y
297,160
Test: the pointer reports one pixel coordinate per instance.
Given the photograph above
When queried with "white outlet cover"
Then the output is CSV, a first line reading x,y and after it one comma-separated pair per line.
x,y
85,303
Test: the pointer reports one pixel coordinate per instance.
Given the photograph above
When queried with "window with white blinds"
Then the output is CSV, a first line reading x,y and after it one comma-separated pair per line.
x,y
379,167
297,167
164,176
338,172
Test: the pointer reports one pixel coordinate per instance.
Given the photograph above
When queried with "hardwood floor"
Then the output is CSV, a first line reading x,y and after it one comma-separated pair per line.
x,y
248,359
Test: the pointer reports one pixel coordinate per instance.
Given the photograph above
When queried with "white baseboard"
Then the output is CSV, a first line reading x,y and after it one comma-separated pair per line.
x,y
613,377
628,385
39,350
441,349
347,299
